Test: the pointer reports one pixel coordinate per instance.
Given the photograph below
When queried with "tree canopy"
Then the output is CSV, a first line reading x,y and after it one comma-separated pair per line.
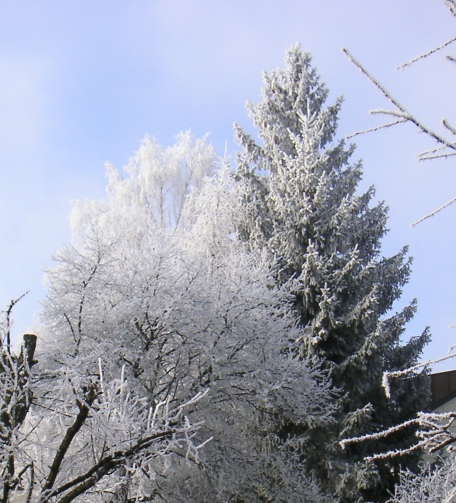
x,y
215,333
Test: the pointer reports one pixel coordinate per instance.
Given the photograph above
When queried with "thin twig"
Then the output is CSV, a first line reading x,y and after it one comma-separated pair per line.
x,y
451,4
425,157
438,210
8,320
403,111
450,128
433,150
426,54
376,128
375,82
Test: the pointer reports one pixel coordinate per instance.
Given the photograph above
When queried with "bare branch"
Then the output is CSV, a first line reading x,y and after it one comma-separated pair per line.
x,y
451,4
450,128
8,322
438,210
105,466
405,116
424,157
376,436
401,115
411,370
426,54
432,151
402,111
377,84
373,129
71,432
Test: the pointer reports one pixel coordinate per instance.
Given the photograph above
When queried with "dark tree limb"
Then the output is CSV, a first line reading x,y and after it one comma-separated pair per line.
x,y
72,431
105,466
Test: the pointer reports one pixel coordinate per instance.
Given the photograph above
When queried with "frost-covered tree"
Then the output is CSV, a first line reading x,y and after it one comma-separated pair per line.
x,y
301,206
157,297
89,437
50,418
15,400
436,485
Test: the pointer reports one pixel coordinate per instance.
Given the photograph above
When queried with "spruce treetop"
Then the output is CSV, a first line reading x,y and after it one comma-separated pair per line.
x,y
302,205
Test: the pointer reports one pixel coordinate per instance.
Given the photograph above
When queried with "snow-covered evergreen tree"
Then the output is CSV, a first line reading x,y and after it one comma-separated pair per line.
x,y
301,205
154,287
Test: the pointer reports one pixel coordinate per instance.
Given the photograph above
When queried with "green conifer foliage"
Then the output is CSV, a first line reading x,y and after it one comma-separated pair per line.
x,y
302,206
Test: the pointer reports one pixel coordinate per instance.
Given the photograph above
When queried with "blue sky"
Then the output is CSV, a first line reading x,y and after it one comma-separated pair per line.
x,y
81,83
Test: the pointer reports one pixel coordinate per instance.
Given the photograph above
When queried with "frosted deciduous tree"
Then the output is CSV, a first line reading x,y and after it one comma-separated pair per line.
x,y
66,434
15,402
431,486
157,301
301,205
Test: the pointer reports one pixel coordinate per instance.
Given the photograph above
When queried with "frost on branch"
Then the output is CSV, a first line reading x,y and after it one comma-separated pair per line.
x,y
15,402
444,142
157,178
123,432
430,486
435,431
156,286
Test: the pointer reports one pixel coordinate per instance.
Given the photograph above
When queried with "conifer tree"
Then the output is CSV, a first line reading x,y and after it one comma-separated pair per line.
x,y
302,206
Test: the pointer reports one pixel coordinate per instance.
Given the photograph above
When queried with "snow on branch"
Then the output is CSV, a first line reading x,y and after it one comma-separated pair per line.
x,y
401,111
377,436
450,128
400,114
434,428
5,336
434,434
437,210
451,4
411,370
426,54
377,128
